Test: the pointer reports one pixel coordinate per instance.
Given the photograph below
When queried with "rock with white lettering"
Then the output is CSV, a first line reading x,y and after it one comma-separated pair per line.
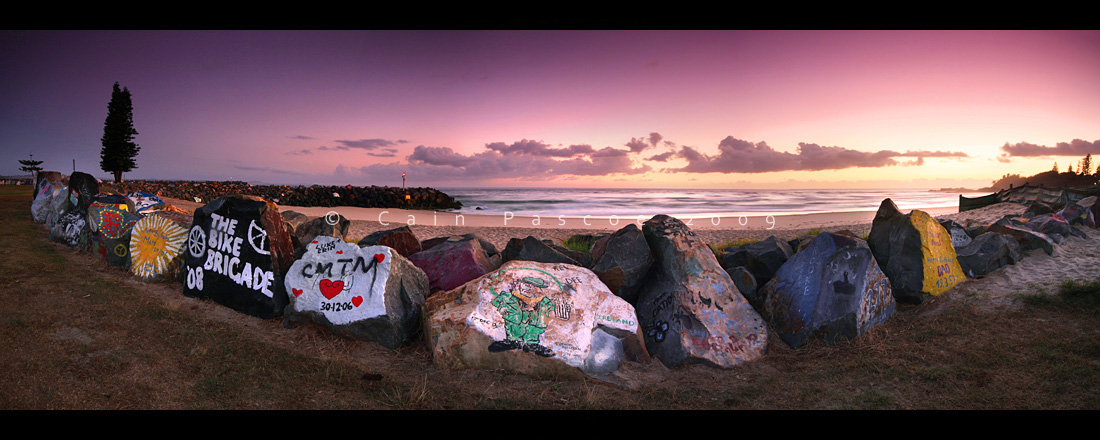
x,y
689,308
453,263
72,229
157,247
833,289
959,236
400,239
238,253
915,253
622,260
370,293
324,226
534,318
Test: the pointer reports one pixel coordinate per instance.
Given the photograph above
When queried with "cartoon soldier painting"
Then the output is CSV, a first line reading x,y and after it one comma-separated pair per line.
x,y
524,308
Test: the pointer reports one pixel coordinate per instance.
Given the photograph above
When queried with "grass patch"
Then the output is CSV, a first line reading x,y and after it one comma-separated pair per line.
x,y
720,248
578,243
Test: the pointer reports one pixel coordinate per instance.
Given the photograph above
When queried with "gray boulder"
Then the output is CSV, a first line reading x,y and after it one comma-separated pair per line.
x,y
987,253
533,249
622,260
762,258
401,239
324,226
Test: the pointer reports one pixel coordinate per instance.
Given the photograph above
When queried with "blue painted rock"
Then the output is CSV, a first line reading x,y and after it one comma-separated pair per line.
x,y
157,248
622,260
535,318
453,263
987,253
370,293
915,253
762,258
689,308
144,202
833,290
238,252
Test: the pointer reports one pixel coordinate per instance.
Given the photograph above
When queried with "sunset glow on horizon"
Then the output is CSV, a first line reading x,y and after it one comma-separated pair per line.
x,y
631,109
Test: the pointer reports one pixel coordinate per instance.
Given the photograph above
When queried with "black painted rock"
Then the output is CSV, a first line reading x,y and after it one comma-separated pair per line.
x,y
987,253
453,263
238,252
1027,238
370,293
1077,215
71,228
622,260
82,189
689,308
833,290
915,253
762,258
327,226
533,249
402,239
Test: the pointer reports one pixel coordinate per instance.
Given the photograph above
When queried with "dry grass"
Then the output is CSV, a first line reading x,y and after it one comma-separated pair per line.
x,y
78,335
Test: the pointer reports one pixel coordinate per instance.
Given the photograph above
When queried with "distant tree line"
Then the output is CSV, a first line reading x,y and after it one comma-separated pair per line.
x,y
1084,177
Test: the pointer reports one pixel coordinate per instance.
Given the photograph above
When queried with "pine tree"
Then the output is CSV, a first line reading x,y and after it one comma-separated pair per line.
x,y
30,165
1055,169
1086,165
119,149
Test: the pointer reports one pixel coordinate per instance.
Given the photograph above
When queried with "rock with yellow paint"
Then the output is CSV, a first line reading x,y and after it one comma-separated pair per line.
x,y
156,248
535,318
915,252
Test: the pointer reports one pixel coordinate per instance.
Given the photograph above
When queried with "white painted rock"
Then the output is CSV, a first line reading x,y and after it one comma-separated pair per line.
x,y
370,293
533,318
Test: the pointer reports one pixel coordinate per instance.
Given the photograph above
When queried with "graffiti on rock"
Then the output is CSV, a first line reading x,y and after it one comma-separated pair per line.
x,y
156,246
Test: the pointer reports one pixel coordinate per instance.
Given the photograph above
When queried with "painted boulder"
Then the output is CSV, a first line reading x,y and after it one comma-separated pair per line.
x,y
82,189
1023,234
72,229
959,236
145,202
370,293
536,318
832,289
453,263
157,246
113,224
49,187
689,308
988,252
622,260
58,206
915,253
238,253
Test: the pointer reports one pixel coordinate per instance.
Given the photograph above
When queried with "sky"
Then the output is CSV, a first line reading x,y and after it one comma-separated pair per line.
x,y
592,109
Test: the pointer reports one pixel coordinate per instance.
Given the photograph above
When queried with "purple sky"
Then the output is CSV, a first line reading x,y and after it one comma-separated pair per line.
x,y
742,109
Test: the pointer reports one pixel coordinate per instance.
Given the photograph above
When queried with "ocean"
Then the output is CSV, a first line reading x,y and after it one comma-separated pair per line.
x,y
689,202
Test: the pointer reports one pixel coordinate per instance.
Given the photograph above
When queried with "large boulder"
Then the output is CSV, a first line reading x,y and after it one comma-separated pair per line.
x,y
82,189
762,258
49,186
915,252
401,239
533,249
987,253
238,253
833,289
113,223
1078,215
157,248
145,202
1055,226
747,285
689,308
324,226
1023,234
295,218
71,228
535,318
622,260
58,206
370,293
453,263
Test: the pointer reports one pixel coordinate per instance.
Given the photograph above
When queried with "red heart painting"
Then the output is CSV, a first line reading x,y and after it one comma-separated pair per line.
x,y
357,300
297,292
339,252
379,257
331,288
